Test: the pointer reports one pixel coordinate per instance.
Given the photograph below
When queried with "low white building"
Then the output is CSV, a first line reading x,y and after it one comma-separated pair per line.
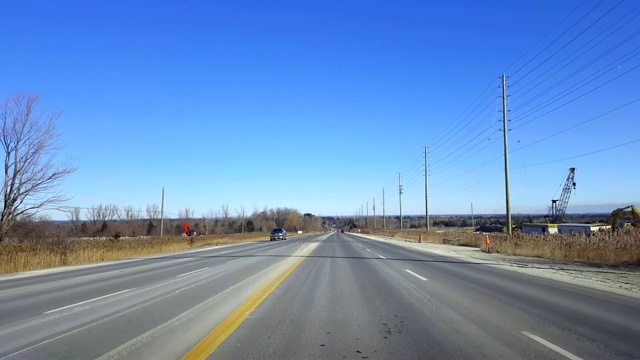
x,y
563,228
540,228
581,228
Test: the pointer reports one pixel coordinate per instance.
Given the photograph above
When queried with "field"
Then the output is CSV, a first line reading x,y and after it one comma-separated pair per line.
x,y
25,256
620,249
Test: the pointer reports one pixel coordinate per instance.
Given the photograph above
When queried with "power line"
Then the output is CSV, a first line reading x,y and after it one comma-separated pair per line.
x,y
570,61
436,142
568,43
541,39
603,71
577,125
559,36
587,154
572,100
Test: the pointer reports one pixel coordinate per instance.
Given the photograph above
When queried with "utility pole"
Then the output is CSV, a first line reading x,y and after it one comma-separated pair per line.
x,y
384,217
367,219
505,130
426,187
374,214
473,223
162,213
400,199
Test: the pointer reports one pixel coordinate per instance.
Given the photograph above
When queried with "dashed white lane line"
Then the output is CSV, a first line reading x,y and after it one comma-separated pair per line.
x,y
230,261
367,249
192,272
416,275
87,301
551,346
359,245
381,257
98,274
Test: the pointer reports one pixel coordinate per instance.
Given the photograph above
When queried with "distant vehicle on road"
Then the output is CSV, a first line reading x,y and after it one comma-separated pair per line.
x,y
278,234
341,230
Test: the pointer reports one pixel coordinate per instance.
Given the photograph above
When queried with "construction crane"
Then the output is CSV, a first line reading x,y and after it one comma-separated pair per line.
x,y
559,206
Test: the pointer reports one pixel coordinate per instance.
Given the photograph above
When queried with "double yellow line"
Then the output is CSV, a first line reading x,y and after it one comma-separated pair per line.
x,y
216,337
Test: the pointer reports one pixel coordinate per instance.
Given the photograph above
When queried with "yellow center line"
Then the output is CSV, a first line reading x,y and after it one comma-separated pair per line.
x,y
218,335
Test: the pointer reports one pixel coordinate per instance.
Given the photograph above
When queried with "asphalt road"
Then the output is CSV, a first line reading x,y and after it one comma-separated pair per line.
x,y
332,296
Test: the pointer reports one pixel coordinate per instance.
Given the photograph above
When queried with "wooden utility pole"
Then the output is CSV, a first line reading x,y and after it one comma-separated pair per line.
x,y
426,187
400,199
374,214
162,213
505,130
384,216
473,223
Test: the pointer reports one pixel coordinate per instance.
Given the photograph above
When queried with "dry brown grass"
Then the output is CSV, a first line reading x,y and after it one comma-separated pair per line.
x,y
606,248
619,249
452,236
16,257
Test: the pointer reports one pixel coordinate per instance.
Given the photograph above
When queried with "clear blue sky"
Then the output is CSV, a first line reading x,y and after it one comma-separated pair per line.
x,y
319,105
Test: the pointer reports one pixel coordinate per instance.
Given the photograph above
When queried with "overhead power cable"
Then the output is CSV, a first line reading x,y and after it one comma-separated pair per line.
x,y
568,43
559,36
569,61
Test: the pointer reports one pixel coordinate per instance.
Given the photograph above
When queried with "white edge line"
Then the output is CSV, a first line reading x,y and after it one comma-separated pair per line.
x,y
86,301
192,272
95,323
381,257
551,346
416,275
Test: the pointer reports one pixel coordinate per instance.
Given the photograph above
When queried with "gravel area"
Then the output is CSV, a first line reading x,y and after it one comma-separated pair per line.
x,y
624,281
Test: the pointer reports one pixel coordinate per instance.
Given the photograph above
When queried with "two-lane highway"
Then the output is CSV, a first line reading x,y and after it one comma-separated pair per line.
x,y
332,296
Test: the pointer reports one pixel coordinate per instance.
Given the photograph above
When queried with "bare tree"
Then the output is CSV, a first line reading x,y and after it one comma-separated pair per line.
x,y
95,214
224,209
102,213
241,214
111,211
74,215
187,213
209,220
130,213
29,139
153,211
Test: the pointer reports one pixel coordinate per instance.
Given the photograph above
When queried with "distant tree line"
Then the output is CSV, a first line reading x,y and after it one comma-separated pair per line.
x,y
418,222
110,220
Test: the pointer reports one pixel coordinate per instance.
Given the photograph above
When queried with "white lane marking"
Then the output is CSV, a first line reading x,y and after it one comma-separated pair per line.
x,y
230,261
416,275
86,301
381,257
97,322
367,249
104,273
359,245
192,272
551,346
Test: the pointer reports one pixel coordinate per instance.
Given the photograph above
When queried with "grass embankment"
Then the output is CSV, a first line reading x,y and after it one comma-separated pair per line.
x,y
619,249
25,256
